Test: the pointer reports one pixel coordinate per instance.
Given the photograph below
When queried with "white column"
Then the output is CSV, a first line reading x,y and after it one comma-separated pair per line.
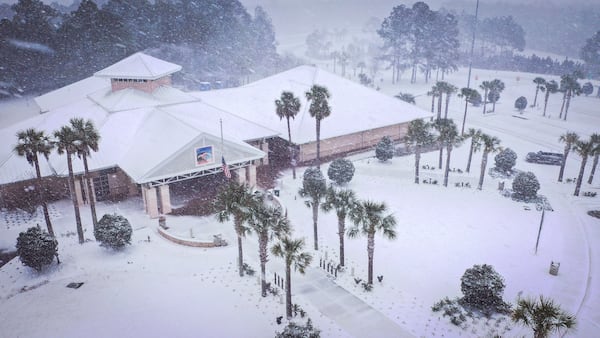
x,y
240,175
264,146
165,199
251,175
151,202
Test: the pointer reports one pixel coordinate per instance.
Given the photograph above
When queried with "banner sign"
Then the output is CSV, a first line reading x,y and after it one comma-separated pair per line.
x,y
204,155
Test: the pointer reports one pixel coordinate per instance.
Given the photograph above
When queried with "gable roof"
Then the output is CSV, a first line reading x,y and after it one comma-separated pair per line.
x,y
139,66
354,107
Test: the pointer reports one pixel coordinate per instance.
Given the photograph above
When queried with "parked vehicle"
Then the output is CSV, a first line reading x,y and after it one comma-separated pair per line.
x,y
543,157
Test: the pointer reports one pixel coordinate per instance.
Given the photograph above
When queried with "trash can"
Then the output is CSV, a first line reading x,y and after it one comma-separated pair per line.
x,y
554,268
276,192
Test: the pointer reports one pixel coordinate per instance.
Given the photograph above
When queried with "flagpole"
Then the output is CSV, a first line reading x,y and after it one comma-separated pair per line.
x,y
222,148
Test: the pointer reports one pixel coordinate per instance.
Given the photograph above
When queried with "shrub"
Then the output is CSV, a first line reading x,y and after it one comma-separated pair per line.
x,y
525,186
506,160
587,88
476,99
521,103
113,231
36,248
293,330
493,96
384,149
341,171
482,289
313,182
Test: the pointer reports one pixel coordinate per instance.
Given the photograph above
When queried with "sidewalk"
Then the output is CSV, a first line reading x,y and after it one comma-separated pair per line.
x,y
353,315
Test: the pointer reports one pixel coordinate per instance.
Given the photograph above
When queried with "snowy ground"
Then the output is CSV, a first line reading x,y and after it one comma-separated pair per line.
x,y
156,288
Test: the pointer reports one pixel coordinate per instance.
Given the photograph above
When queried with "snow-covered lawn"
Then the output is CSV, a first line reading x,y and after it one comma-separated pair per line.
x,y
156,288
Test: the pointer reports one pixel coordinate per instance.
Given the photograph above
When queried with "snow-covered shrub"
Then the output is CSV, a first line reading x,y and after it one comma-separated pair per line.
x,y
506,160
476,99
36,248
384,149
293,330
587,88
525,186
313,183
341,171
482,289
113,231
493,96
521,103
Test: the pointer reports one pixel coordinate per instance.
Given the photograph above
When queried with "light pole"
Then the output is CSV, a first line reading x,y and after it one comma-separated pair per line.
x,y
470,66
537,242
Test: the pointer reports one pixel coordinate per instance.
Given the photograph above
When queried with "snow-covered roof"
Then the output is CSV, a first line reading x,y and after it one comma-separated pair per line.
x,y
76,90
139,66
354,107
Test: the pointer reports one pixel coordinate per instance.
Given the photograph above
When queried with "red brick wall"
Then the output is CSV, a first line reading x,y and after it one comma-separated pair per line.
x,y
148,86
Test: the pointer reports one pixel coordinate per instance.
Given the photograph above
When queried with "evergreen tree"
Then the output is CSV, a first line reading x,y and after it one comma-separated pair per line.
x,y
314,187
384,150
506,160
31,143
341,171
525,186
482,289
36,248
590,52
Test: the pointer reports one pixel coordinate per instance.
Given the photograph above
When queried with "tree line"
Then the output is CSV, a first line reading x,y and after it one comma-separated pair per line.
x,y
44,49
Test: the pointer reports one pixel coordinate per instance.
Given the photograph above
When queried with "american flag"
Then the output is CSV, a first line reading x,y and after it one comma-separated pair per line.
x,y
225,168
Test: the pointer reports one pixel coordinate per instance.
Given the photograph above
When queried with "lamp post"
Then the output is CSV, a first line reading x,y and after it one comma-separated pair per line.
x,y
537,242
470,65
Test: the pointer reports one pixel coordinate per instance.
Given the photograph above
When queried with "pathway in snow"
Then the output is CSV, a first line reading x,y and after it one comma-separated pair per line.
x,y
349,312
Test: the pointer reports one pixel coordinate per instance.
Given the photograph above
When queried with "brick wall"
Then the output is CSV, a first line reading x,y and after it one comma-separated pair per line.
x,y
145,85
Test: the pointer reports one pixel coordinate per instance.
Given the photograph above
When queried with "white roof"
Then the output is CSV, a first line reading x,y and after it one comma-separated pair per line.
x,y
354,107
139,66
77,90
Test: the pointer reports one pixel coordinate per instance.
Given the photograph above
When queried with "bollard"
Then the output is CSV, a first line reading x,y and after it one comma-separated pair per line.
x,y
554,268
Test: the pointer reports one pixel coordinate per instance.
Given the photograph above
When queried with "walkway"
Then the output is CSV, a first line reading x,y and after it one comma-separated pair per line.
x,y
349,312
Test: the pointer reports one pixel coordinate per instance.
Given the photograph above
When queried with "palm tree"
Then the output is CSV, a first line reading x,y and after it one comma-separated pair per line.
x,y
448,90
491,144
496,87
343,201
319,109
368,218
435,92
584,149
570,86
449,138
234,199
550,87
288,106
569,139
315,188
406,97
291,252
267,221
485,86
67,142
469,95
543,316
475,135
30,143
418,136
595,138
88,138
539,84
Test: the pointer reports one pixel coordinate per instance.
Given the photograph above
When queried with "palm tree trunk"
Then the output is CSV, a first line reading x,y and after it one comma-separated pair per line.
x,y
42,196
238,230
315,210
537,89
546,102
370,252
470,156
580,176
440,160
484,159
318,143
293,160
262,254
564,162
484,100
462,130
439,108
594,165
417,160
448,152
432,103
90,192
288,290
341,233
567,105
447,103
494,106
562,107
74,199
